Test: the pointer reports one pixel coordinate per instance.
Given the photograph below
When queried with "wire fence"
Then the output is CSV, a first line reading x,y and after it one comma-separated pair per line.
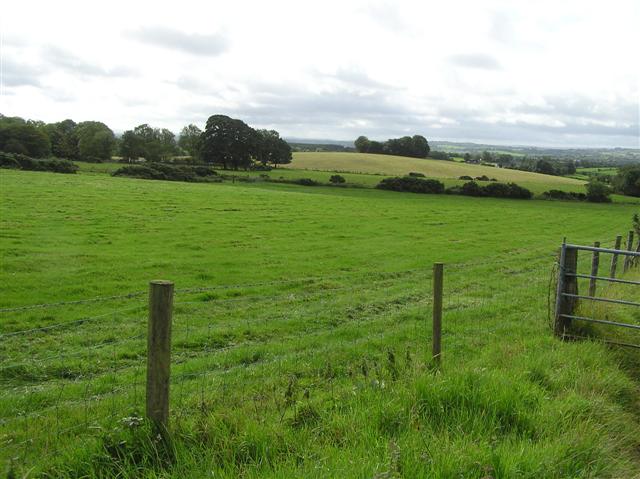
x,y
77,379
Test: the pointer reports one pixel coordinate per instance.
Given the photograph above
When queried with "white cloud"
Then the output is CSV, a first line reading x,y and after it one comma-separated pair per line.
x,y
546,72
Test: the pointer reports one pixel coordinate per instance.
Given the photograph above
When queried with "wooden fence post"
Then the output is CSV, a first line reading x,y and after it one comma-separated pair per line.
x,y
627,259
438,279
159,353
614,258
595,263
567,283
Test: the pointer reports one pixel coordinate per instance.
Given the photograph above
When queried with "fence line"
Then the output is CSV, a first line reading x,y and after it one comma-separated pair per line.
x,y
119,381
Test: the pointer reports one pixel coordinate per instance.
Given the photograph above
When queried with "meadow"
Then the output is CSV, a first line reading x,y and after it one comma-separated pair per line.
x,y
397,165
301,333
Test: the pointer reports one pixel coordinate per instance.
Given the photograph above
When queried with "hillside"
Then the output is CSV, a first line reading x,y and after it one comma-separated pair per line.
x,y
301,334
399,165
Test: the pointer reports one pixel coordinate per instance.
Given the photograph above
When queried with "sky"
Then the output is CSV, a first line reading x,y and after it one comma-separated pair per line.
x,y
559,73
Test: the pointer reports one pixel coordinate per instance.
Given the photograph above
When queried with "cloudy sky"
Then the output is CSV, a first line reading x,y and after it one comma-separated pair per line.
x,y
549,73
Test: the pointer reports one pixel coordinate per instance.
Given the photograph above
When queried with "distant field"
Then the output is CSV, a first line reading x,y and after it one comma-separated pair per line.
x,y
534,182
399,165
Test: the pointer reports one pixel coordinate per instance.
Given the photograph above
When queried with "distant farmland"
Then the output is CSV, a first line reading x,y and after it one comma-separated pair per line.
x,y
400,165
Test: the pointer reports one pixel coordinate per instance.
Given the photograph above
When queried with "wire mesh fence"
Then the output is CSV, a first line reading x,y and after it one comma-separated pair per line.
x,y
77,378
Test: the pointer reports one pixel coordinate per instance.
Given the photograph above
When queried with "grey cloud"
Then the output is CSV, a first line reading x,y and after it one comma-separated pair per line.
x,y
63,59
345,113
479,61
16,74
212,44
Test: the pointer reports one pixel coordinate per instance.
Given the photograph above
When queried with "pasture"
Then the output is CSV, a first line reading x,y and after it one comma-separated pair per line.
x,y
301,332
398,165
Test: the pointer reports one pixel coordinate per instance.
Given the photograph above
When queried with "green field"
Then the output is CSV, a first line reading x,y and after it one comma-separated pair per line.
x,y
398,165
536,183
301,332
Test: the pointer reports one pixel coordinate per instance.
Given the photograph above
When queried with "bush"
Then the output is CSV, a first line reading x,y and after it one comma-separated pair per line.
x,y
465,178
564,195
7,160
471,189
162,171
598,192
482,178
411,185
306,182
416,175
627,181
23,162
337,179
495,190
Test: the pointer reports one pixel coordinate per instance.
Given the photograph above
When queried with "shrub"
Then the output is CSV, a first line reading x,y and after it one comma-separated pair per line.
x,y
496,190
337,179
471,189
482,178
306,182
465,178
162,171
23,162
598,192
412,185
627,180
416,174
564,195
7,160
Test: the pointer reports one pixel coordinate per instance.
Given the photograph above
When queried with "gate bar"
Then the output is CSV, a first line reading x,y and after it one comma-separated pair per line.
x,y
605,300
602,321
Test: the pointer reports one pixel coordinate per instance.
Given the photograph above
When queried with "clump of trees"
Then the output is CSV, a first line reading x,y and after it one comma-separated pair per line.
x,y
627,181
231,143
415,146
87,141
152,144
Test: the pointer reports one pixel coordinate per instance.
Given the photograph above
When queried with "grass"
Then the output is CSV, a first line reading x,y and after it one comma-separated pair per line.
x,y
306,354
397,165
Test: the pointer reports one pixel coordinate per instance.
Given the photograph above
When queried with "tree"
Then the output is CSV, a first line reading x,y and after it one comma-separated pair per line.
x,y
64,140
25,137
420,146
131,145
189,140
362,144
627,181
228,142
376,147
153,144
598,192
270,148
487,157
95,141
545,167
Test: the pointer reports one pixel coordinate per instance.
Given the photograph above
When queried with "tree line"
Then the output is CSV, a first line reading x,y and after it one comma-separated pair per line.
x,y
415,146
225,141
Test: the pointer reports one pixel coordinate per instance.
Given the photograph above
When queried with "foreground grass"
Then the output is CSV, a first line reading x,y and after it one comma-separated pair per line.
x,y
308,355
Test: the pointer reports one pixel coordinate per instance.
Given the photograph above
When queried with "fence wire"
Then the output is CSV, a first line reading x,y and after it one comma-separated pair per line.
x,y
82,377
